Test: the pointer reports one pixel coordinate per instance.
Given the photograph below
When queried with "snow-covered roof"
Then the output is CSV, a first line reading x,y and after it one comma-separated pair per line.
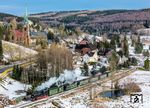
x,y
146,47
123,59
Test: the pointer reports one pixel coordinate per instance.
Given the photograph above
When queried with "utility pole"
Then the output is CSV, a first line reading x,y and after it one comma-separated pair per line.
x,y
91,93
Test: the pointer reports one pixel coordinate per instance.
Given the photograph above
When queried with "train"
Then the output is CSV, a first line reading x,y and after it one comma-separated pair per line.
x,y
53,90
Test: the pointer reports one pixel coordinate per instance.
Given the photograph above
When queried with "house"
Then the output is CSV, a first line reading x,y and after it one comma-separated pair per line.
x,y
94,58
104,51
83,47
85,50
37,37
90,57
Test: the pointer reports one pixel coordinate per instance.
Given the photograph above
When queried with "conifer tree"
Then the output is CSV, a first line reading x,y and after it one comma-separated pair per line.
x,y
132,41
50,36
138,46
117,40
113,59
86,68
1,48
125,47
147,64
113,44
1,51
146,53
16,72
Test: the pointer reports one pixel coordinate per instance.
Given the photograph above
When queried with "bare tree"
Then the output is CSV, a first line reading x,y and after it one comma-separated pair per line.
x,y
55,60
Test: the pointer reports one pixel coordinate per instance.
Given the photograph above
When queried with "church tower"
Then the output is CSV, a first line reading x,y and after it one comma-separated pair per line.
x,y
26,29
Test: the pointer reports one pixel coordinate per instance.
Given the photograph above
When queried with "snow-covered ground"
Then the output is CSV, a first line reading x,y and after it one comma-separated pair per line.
x,y
14,51
81,99
12,87
142,78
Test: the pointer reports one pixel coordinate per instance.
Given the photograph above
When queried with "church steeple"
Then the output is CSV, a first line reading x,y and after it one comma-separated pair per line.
x,y
26,12
26,27
26,21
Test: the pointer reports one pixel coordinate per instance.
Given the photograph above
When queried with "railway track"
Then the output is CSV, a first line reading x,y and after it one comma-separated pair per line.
x,y
84,87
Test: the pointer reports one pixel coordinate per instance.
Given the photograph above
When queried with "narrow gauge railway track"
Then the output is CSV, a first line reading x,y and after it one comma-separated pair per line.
x,y
117,75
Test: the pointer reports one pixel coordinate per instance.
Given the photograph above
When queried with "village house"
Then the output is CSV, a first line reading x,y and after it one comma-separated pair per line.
x,y
36,37
83,47
90,57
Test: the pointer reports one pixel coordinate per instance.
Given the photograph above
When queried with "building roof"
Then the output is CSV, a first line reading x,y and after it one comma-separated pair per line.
x,y
34,34
84,42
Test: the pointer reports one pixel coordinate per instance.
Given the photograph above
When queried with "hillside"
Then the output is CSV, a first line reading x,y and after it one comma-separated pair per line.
x,y
15,52
97,21
4,15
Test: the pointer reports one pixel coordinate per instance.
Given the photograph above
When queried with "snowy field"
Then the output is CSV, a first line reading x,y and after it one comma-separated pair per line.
x,y
81,99
13,51
142,78
13,89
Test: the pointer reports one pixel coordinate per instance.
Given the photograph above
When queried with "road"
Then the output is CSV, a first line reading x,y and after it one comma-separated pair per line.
x,y
43,101
5,70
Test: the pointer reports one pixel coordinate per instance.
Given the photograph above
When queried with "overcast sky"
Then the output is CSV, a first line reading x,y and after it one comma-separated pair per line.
x,y
17,7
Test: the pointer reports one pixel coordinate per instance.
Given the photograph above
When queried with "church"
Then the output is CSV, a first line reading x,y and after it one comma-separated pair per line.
x,y
19,35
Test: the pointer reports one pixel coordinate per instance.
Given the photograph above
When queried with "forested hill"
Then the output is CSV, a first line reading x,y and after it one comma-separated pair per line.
x,y
94,21
4,15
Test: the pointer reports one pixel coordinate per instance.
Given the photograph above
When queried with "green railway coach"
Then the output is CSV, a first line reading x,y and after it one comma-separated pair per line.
x,y
60,89
83,82
71,86
53,91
